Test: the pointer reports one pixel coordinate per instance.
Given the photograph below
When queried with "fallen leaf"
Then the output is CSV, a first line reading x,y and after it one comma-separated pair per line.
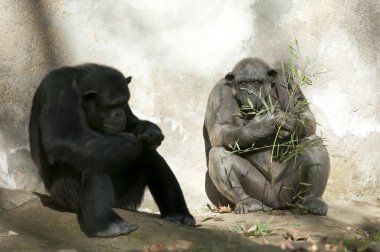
x,y
220,209
179,245
155,247
304,238
252,229
224,209
309,246
291,233
335,247
265,241
206,219
375,248
10,233
218,219
7,234
210,207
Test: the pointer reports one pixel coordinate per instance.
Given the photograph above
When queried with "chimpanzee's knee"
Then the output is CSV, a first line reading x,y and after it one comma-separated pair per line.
x,y
315,154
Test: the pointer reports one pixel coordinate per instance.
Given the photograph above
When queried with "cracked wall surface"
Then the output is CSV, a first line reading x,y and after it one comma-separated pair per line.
x,y
176,51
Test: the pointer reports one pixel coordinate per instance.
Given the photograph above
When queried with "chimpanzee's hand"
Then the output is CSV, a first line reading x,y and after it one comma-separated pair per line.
x,y
261,126
287,122
150,133
131,138
126,135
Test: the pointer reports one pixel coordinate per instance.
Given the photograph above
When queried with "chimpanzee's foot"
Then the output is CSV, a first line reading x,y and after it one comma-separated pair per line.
x,y
121,227
126,227
250,205
187,220
314,205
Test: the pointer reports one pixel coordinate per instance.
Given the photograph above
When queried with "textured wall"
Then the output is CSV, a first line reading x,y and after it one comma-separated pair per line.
x,y
27,50
176,51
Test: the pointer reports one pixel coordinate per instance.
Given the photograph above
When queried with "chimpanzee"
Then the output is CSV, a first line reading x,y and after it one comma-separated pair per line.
x,y
256,180
93,153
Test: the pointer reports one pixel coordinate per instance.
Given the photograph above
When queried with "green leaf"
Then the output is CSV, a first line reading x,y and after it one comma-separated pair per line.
x,y
250,103
305,184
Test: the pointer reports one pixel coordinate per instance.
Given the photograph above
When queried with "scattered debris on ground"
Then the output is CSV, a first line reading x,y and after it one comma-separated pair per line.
x,y
353,227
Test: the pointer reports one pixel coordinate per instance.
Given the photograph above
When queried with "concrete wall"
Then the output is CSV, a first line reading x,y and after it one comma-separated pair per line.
x,y
176,51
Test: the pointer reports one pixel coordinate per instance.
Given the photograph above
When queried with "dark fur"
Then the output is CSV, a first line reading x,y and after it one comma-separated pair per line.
x,y
93,153
245,180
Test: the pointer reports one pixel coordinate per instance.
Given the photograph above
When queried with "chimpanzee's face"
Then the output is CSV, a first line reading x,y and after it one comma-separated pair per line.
x,y
252,81
105,102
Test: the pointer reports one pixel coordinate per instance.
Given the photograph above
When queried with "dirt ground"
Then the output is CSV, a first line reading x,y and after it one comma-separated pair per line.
x,y
35,227
354,225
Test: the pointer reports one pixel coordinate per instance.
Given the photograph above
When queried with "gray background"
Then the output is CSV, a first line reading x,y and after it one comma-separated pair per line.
x,y
176,51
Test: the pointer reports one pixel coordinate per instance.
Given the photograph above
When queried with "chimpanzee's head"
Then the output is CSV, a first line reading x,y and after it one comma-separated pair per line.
x,y
105,96
250,78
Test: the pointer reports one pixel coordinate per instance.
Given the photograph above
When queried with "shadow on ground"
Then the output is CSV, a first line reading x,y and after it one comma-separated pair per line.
x,y
353,222
38,225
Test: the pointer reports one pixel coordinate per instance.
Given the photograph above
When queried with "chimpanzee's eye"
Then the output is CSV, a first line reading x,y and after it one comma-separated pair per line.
x,y
256,82
118,103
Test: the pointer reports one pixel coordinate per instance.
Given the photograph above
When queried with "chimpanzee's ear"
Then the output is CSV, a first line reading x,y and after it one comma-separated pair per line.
x,y
89,95
272,77
230,77
128,80
273,73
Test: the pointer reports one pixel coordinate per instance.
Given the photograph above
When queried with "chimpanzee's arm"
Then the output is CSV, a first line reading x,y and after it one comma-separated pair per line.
x,y
307,124
145,131
299,119
90,150
220,124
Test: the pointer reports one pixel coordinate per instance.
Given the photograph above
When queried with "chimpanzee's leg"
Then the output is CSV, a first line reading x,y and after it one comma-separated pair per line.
x,y
216,197
165,188
315,165
65,188
129,187
239,181
96,201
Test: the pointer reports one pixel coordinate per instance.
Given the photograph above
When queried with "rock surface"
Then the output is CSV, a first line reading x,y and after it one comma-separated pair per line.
x,y
35,227
10,198
33,223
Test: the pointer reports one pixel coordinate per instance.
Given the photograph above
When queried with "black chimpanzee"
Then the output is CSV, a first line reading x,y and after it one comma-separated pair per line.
x,y
93,153
256,180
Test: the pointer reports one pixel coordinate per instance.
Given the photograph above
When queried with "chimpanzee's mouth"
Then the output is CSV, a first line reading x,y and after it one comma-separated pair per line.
x,y
113,130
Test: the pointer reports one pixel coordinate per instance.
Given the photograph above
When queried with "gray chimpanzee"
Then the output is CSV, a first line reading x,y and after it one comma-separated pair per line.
x,y
93,153
255,180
